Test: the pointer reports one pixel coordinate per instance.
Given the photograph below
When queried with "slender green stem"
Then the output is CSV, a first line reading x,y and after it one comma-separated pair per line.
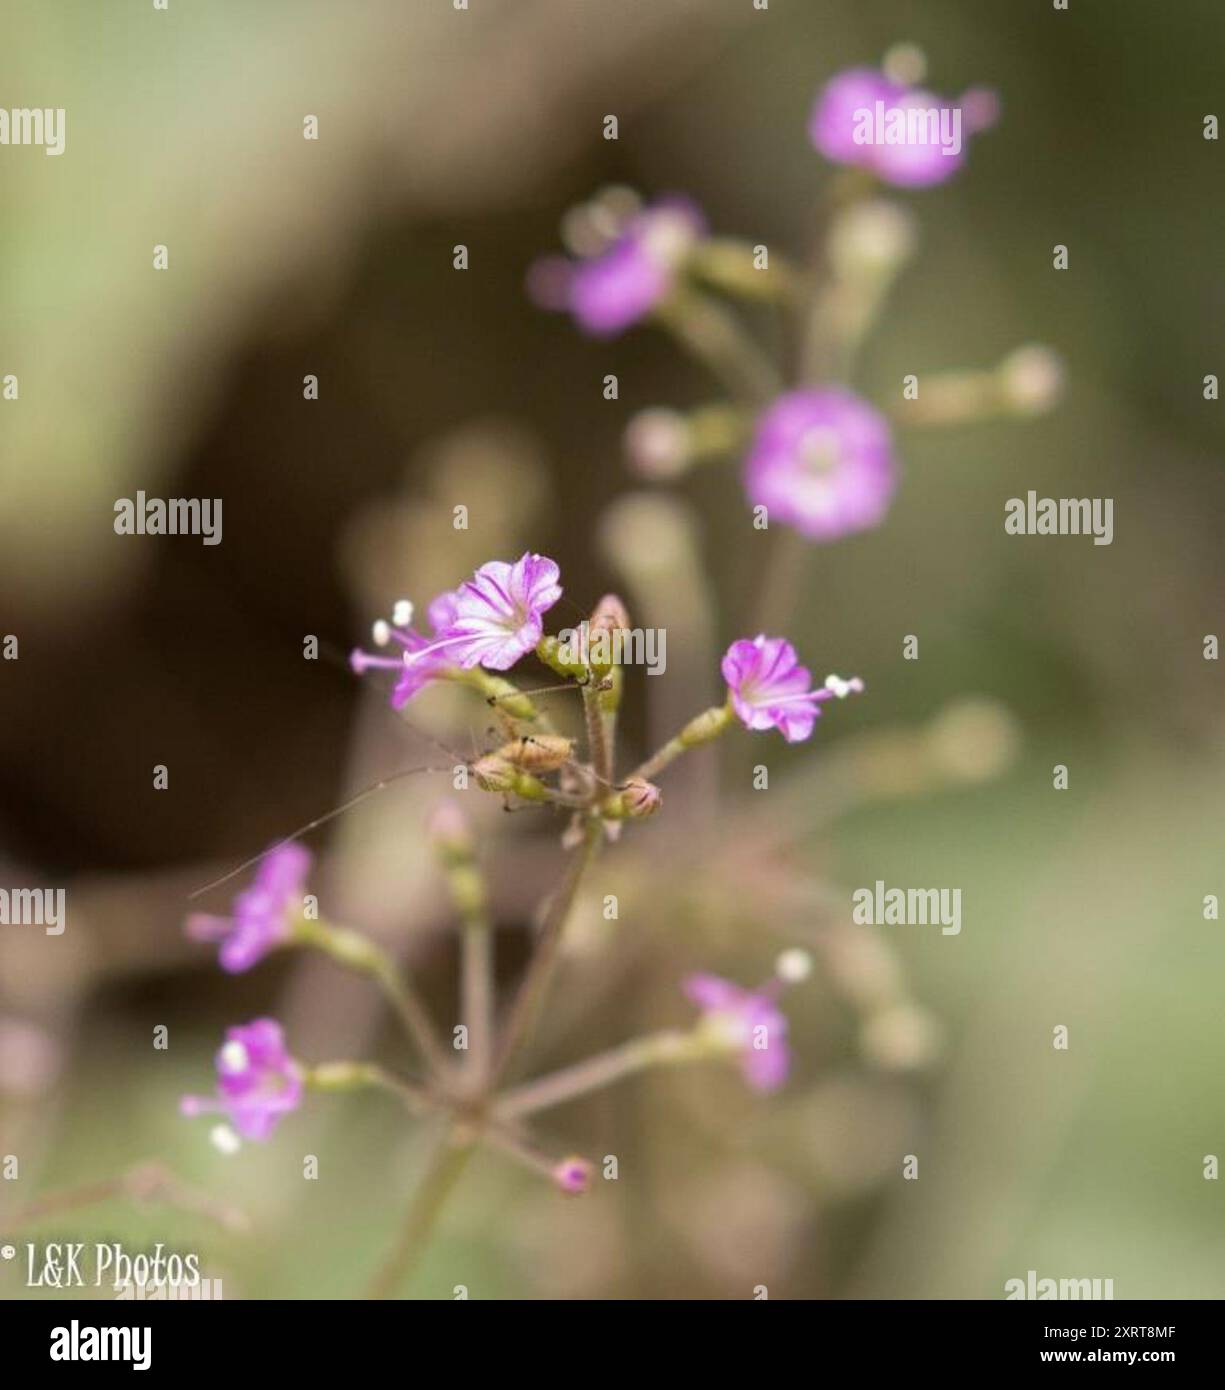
x,y
456,851
357,952
521,1149
716,337
598,1071
477,985
527,1003
598,746
442,1172
356,1076
706,726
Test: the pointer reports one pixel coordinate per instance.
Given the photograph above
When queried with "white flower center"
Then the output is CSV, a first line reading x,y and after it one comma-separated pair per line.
x,y
819,450
235,1057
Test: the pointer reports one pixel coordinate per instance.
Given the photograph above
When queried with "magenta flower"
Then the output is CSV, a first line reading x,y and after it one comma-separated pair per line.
x,y
822,462
622,284
750,1022
257,1080
769,689
903,135
572,1175
428,661
262,913
498,612
491,620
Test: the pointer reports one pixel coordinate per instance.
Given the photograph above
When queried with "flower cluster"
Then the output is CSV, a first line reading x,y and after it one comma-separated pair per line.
x,y
815,456
491,622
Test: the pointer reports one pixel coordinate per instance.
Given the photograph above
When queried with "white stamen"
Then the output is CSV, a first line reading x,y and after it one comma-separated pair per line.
x,y
234,1057
224,1140
381,632
793,965
840,688
402,613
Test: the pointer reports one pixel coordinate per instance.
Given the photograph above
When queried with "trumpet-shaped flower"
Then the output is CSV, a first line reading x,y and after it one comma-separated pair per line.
x,y
498,612
263,913
769,689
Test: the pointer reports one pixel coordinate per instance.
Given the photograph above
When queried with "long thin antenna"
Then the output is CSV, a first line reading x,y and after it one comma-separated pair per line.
x,y
316,823
529,693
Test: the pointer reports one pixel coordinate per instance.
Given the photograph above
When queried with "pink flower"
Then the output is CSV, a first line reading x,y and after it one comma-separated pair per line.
x,y
262,913
498,612
257,1080
769,689
491,620
822,461
751,1023
427,660
622,284
572,1175
903,135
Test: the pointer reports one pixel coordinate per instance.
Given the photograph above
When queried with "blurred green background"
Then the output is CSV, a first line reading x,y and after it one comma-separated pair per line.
x,y
334,258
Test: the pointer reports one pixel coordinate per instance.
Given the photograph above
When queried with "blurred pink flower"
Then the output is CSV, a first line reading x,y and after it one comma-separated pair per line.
x,y
257,1080
622,284
838,126
572,1175
752,1020
262,912
822,461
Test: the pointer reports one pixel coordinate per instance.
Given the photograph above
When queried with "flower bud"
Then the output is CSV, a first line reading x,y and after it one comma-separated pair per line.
x,y
905,64
634,801
641,798
1031,379
449,830
573,1175
793,966
657,444
871,240
609,615
902,1037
